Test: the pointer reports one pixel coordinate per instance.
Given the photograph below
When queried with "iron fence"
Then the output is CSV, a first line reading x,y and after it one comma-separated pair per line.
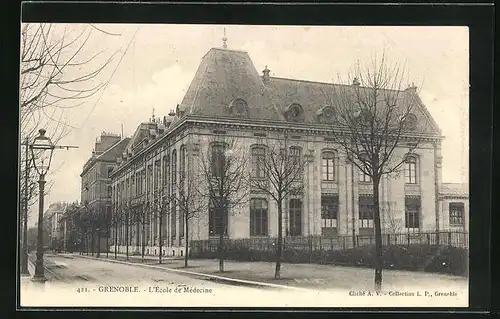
x,y
324,243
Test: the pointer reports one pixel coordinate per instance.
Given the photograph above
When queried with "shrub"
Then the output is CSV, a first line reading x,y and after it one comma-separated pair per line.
x,y
417,257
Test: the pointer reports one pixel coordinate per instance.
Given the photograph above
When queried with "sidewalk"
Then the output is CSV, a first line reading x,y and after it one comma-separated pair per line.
x,y
306,275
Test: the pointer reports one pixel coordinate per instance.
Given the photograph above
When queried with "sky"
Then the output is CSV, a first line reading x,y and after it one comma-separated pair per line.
x,y
154,64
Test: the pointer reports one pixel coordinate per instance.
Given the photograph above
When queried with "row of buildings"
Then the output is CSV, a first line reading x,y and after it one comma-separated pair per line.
x,y
229,98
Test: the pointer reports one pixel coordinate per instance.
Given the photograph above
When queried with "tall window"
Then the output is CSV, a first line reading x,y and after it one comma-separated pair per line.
x,y
181,221
143,181
157,173
182,159
174,168
295,217
364,178
217,159
165,170
214,219
412,214
329,210
366,211
411,170
295,155
258,217
258,157
456,214
328,165
173,218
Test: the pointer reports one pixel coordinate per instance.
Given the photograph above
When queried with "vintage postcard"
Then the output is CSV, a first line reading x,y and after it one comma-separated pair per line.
x,y
169,165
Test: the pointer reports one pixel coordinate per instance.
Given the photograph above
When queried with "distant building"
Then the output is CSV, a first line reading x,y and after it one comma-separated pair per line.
x,y
52,222
96,185
454,206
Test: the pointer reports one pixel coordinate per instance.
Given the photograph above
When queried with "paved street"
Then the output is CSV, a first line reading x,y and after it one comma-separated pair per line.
x,y
80,281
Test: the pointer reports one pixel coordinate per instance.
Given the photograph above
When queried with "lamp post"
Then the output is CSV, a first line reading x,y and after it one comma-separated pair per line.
x,y
44,148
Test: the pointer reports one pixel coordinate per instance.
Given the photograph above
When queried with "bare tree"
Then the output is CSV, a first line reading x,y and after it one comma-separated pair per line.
x,y
141,218
116,221
371,117
55,72
190,203
278,172
224,184
161,212
393,224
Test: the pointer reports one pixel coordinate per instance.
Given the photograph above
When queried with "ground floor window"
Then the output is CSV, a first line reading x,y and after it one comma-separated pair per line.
x,y
366,211
258,217
412,213
295,213
456,214
329,210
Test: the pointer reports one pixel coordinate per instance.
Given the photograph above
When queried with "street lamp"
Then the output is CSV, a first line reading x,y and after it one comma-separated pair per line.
x,y
41,152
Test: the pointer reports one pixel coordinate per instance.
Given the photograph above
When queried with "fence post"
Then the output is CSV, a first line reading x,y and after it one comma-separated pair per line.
x,y
449,239
428,239
388,239
408,237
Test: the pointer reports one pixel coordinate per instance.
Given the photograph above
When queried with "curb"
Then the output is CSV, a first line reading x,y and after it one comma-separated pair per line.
x,y
220,278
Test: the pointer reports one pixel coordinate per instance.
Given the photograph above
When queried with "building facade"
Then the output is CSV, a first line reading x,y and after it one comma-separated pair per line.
x,y
229,98
52,223
96,186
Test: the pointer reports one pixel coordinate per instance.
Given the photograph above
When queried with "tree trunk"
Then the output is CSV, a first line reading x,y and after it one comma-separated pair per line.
x,y
160,237
186,240
378,234
138,235
277,272
143,246
126,235
116,239
221,243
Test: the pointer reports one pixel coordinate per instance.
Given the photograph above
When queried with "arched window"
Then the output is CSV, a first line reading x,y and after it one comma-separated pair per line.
x,y
258,157
258,217
411,170
328,166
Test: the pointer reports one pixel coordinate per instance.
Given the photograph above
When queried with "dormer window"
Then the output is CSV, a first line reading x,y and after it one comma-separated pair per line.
x,y
238,107
294,112
410,122
325,114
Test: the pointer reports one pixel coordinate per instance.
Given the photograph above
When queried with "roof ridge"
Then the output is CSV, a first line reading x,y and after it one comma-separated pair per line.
x,y
112,147
325,83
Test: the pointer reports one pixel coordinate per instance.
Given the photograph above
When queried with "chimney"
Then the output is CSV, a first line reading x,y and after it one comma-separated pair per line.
x,y
355,82
412,88
172,113
265,75
164,121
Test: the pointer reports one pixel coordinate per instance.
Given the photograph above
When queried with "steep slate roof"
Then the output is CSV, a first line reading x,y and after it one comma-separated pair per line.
x,y
112,153
225,75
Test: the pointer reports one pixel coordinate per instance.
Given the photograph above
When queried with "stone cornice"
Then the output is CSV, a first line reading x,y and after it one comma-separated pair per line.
x,y
248,124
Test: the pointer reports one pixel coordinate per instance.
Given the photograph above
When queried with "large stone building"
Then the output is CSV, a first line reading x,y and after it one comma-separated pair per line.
x,y
96,185
228,97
